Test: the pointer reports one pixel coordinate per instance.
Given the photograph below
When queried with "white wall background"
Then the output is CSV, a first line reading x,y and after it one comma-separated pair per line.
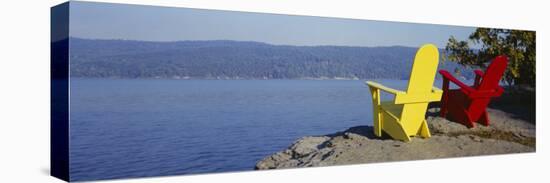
x,y
24,89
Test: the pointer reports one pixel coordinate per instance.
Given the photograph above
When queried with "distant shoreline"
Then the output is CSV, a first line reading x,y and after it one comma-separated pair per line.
x,y
236,59
200,78
244,79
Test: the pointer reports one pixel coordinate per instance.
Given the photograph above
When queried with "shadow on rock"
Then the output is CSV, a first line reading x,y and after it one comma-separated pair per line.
x,y
519,102
365,131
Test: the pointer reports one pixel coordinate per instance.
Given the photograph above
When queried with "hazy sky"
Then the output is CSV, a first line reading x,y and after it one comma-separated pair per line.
x,y
133,22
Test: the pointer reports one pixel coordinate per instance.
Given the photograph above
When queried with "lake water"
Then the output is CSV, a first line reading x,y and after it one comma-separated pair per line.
x,y
134,128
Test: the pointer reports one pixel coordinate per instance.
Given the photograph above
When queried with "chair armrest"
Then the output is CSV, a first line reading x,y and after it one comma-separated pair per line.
x,y
447,76
433,96
436,90
478,73
384,88
487,93
402,97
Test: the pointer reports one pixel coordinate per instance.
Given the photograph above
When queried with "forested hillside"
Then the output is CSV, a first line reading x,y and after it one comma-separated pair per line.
x,y
237,60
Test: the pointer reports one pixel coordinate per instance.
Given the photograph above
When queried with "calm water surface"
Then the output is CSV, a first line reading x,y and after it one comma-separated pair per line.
x,y
134,128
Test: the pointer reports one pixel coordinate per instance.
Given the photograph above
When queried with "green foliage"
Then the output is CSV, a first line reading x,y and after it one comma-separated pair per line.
x,y
518,45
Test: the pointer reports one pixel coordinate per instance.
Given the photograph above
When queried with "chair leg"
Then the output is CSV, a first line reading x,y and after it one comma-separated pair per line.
x,y
393,127
484,119
467,120
424,130
443,109
376,113
377,122
461,116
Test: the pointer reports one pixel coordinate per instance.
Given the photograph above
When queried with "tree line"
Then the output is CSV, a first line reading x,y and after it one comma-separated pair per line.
x,y
238,59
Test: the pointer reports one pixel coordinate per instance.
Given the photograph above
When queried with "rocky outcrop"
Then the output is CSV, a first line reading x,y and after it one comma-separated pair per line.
x,y
359,145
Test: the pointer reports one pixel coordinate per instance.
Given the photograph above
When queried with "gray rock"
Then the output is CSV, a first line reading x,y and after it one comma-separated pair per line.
x,y
307,145
449,139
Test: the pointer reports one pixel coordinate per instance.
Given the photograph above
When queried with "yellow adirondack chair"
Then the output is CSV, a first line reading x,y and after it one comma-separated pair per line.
x,y
405,115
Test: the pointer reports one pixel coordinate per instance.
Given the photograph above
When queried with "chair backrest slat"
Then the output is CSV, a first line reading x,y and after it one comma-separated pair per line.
x,y
493,73
423,73
424,69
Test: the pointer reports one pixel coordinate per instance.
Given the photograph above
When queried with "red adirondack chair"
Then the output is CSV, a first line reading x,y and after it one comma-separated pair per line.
x,y
468,104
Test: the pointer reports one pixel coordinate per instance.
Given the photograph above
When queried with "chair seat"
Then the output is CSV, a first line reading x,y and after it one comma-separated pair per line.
x,y
391,108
